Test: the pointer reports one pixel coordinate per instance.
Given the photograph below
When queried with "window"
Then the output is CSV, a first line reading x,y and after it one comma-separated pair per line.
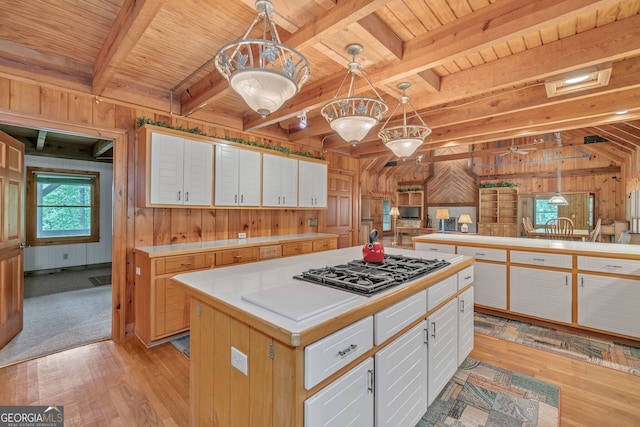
x,y
544,210
386,215
62,206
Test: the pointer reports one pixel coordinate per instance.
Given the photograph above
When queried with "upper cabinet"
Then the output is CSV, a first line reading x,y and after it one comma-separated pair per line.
x,y
279,181
312,187
180,171
176,169
237,177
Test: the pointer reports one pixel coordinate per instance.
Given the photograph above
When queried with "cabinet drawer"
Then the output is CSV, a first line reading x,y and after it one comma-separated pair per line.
x,y
270,252
441,291
541,259
236,256
183,263
296,248
393,319
465,277
499,255
330,354
435,247
609,265
324,245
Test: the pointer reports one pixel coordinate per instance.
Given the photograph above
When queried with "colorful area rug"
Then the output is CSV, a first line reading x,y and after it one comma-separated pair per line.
x,y
580,346
481,395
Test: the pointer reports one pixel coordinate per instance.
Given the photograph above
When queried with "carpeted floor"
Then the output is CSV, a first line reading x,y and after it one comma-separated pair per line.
x,y
585,347
481,395
61,311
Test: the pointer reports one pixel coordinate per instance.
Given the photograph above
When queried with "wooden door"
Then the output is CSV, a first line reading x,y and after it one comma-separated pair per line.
x,y
11,236
339,214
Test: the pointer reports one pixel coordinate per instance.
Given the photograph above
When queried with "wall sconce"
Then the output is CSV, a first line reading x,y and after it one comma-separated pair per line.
x,y
442,214
464,219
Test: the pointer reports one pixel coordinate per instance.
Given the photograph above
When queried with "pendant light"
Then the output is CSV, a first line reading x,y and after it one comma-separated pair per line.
x,y
558,199
404,140
265,73
351,116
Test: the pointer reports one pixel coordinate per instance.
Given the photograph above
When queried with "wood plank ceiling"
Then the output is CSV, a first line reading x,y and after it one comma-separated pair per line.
x,y
477,67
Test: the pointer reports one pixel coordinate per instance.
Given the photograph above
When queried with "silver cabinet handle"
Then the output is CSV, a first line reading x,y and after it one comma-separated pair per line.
x,y
186,196
370,374
347,350
279,199
467,277
479,254
179,194
242,199
539,259
612,266
235,199
462,305
434,329
566,280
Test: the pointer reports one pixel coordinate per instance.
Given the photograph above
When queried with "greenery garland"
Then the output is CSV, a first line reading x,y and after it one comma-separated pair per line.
x,y
501,185
141,121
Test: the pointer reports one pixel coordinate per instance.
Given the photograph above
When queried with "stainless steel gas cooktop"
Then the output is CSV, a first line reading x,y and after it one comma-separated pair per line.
x,y
368,278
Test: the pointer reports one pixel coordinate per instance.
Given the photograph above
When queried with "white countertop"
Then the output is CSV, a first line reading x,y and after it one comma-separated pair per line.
x,y
524,243
271,284
222,244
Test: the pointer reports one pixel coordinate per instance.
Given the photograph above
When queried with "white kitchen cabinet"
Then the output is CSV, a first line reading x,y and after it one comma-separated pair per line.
x,y
439,292
401,380
181,171
436,247
443,347
541,293
392,320
237,175
312,185
465,324
490,283
279,181
609,304
348,401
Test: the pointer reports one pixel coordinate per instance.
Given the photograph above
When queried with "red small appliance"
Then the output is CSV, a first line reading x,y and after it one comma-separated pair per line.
x,y
373,251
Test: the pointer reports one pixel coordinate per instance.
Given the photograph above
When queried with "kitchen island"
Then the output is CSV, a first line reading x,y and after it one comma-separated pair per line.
x,y
583,285
267,349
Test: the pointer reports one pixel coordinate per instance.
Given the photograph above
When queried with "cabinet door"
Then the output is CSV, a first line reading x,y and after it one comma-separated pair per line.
x,y
401,380
248,178
167,163
541,293
348,401
198,173
226,183
443,347
490,283
312,187
609,304
465,324
279,181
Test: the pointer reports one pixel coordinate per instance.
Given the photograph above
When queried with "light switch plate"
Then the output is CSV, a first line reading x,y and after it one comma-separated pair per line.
x,y
242,235
239,360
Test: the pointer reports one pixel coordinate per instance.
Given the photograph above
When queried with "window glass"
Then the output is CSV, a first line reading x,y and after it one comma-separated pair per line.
x,y
544,210
62,206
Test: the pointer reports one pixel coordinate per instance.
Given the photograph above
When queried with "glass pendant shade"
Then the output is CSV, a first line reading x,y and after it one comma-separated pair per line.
x,y
351,116
353,129
265,73
262,90
403,147
405,139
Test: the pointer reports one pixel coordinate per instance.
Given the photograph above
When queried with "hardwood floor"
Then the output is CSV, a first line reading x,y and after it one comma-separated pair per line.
x,y
106,384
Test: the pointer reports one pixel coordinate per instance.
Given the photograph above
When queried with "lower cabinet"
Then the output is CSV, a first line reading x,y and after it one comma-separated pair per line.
x,y
465,324
401,380
541,293
490,283
609,303
348,401
443,347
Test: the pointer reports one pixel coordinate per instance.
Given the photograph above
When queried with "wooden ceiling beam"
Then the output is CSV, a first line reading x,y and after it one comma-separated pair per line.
x,y
549,59
132,21
374,26
42,136
552,174
343,14
100,147
609,133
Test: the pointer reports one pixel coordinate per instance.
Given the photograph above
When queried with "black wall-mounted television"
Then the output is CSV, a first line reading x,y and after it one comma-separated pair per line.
x,y
410,212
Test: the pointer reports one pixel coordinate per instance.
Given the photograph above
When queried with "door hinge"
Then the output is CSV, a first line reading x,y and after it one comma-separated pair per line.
x,y
271,349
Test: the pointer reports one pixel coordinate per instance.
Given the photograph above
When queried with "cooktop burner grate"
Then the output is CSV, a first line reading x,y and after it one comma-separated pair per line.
x,y
367,278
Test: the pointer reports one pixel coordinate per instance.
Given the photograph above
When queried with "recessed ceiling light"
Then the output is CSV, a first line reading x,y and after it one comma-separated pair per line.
x,y
576,80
